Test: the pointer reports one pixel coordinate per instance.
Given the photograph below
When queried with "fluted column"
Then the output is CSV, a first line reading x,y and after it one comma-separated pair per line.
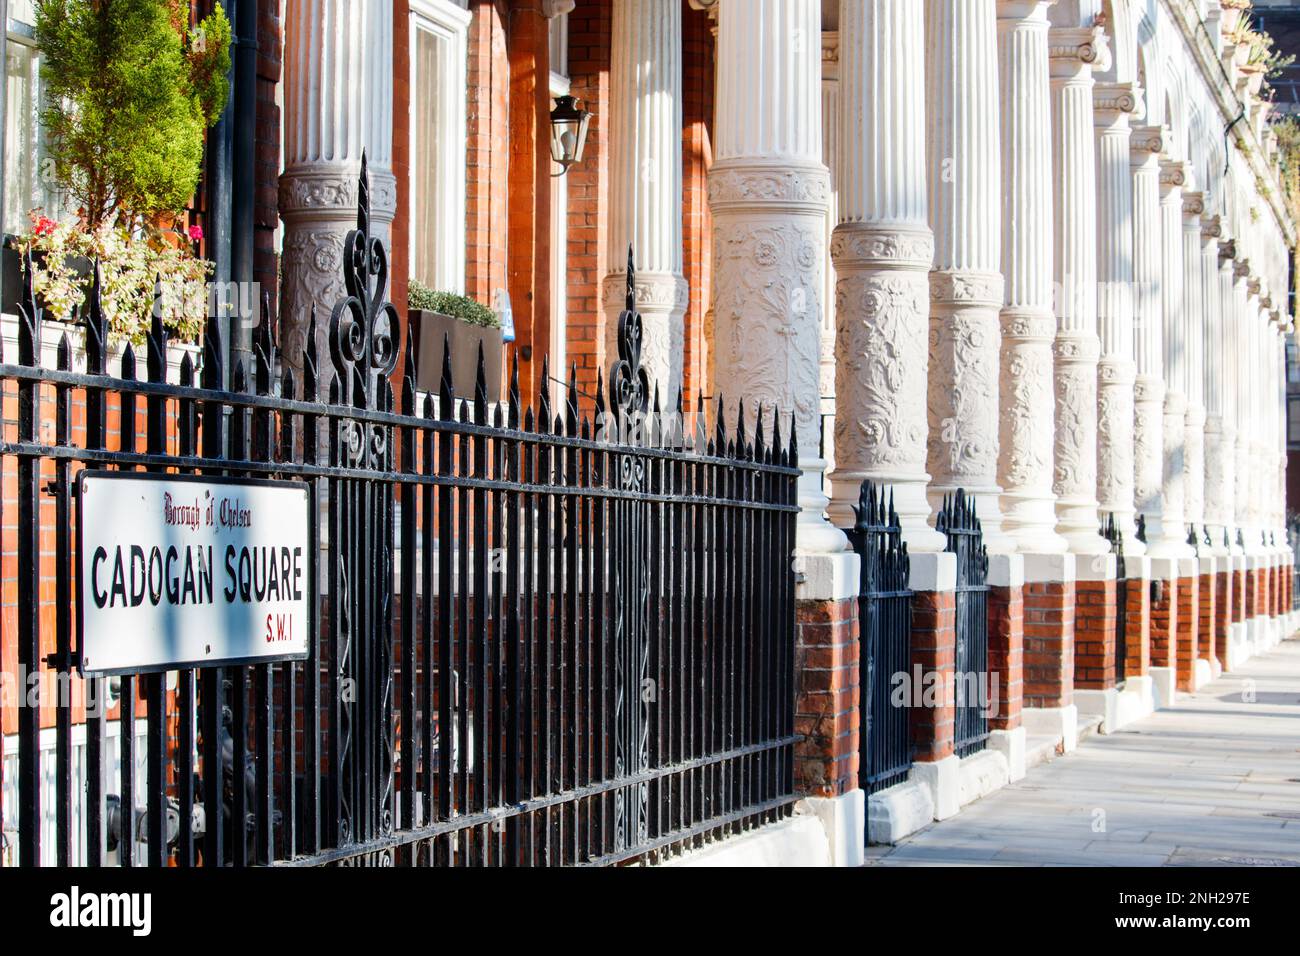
x,y
338,102
1028,324
645,183
1226,358
1114,103
1146,144
964,165
1167,535
1193,318
882,250
1254,336
768,192
1245,357
1076,349
1214,510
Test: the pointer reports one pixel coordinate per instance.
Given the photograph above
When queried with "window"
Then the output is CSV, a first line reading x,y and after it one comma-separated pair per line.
x,y
438,85
25,153
1293,422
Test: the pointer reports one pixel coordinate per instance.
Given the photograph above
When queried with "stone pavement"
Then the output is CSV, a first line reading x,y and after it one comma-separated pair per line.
x,y
1212,781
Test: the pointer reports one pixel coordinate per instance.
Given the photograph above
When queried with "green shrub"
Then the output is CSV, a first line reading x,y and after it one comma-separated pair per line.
x,y
131,88
420,296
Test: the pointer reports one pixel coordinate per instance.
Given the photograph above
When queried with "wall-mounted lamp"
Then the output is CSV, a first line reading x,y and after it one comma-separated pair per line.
x,y
569,123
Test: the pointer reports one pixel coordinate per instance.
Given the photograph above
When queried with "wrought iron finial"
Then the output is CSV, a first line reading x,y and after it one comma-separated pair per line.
x,y
365,335
628,382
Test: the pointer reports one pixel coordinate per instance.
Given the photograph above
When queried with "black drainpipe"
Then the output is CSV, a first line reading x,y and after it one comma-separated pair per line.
x,y
218,208
243,119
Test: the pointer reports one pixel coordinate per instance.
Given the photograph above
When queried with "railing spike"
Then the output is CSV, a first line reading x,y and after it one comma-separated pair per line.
x,y
446,388
513,398
480,387
310,368
720,425
573,398
63,355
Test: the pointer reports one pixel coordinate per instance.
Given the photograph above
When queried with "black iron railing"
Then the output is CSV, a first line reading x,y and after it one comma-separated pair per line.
x,y
885,628
958,522
540,640
1112,533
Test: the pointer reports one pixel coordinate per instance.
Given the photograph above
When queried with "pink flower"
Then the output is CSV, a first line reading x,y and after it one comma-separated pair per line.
x,y
196,233
44,226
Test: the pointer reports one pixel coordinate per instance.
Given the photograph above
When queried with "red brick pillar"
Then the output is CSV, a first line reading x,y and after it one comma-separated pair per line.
x,y
1207,592
1049,643
1222,610
826,711
933,660
1006,665
827,706
1094,634
1006,657
1137,634
1188,627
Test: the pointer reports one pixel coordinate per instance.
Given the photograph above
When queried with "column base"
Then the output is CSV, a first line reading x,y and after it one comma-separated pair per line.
x,y
1059,723
1011,744
981,774
1164,689
899,811
942,778
1135,701
844,820
1103,703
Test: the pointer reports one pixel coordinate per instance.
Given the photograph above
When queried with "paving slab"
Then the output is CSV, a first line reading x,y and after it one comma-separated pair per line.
x,y
1212,781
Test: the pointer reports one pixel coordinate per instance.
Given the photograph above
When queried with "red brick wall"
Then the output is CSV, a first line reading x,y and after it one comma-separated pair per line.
x,y
826,712
1240,594
1164,623
1094,634
1137,635
697,223
1207,615
1049,608
1188,630
486,152
934,653
266,211
1222,614
1006,656
588,212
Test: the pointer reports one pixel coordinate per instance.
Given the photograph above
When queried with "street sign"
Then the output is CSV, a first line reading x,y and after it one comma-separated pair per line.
x,y
177,571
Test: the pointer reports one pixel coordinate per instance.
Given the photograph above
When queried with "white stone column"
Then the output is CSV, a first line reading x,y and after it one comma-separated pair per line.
x,y
1245,410
1114,103
768,192
830,156
645,184
1193,318
1215,475
1146,144
882,250
1027,424
338,102
1227,362
1254,336
1077,348
1166,534
965,284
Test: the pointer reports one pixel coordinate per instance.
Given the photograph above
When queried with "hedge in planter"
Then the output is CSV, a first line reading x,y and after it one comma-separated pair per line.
x,y
463,324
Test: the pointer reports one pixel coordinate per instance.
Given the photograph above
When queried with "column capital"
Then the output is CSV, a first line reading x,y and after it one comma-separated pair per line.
x,y
1173,175
1253,284
708,6
1193,206
1242,268
1146,142
1227,251
1114,100
1211,227
1072,50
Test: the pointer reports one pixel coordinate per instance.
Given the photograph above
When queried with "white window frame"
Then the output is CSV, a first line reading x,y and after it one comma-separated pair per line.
x,y
451,21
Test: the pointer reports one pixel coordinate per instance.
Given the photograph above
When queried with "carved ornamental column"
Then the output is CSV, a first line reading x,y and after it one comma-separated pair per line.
x,y
768,192
1026,428
1146,144
1226,359
1167,534
1192,321
1077,348
338,102
645,183
1212,345
882,249
966,287
1242,321
1116,371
